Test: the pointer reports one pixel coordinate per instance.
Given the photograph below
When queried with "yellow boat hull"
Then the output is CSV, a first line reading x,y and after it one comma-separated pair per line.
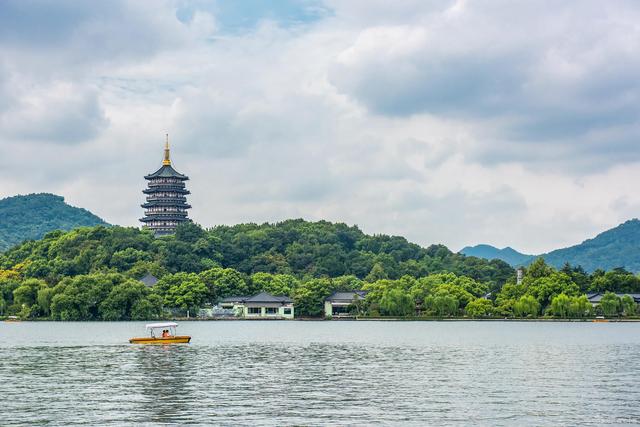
x,y
180,339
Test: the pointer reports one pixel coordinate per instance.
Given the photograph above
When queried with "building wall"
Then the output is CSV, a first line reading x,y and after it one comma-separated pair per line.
x,y
328,309
280,312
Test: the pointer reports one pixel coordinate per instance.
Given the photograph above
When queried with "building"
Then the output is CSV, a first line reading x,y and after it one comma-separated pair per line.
x,y
262,305
339,304
595,297
166,204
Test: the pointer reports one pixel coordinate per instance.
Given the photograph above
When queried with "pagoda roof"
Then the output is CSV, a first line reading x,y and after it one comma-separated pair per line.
x,y
166,171
164,217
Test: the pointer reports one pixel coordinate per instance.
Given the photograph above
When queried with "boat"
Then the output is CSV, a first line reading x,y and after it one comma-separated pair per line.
x,y
12,319
167,335
600,319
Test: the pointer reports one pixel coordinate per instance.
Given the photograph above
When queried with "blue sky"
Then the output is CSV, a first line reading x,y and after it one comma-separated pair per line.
x,y
455,122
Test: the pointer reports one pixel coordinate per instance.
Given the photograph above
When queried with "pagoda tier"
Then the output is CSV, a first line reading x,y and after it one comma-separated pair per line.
x,y
166,205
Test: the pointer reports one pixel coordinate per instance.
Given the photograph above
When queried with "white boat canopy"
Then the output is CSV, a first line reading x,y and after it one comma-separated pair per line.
x,y
161,325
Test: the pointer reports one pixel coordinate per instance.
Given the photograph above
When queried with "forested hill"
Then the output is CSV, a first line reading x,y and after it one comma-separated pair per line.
x,y
297,247
618,247
32,216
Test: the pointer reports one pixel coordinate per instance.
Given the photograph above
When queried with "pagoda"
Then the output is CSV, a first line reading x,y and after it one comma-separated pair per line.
x,y
166,205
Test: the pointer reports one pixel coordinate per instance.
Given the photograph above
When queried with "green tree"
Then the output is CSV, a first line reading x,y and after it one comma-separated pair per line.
x,y
553,284
27,292
580,306
377,273
186,293
130,300
479,308
561,306
526,306
275,284
125,259
310,295
629,306
396,302
223,282
43,298
442,305
539,269
610,304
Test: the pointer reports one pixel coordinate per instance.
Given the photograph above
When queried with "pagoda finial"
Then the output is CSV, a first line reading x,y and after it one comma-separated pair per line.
x,y
167,158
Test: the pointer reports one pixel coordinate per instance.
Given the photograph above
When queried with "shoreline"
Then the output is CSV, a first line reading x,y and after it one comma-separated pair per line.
x,y
350,319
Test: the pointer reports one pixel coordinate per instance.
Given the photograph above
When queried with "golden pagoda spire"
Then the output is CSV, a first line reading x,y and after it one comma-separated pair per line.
x,y
167,158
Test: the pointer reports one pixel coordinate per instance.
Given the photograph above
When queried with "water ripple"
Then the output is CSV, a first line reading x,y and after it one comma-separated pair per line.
x,y
371,374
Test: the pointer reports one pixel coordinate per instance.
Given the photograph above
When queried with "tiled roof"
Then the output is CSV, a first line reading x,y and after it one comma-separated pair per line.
x,y
166,171
261,297
346,296
595,297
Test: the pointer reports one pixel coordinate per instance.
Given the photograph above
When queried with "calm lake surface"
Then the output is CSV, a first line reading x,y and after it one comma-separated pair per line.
x,y
322,373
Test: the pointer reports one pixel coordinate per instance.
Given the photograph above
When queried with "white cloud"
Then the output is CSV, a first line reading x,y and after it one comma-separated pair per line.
x,y
459,123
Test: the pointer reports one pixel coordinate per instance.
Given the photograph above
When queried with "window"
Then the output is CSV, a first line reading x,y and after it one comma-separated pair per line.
x,y
287,311
271,310
255,310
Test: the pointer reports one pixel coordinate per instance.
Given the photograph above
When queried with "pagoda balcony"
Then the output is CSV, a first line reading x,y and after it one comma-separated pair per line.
x,y
165,190
170,181
165,203
169,186
165,213
166,199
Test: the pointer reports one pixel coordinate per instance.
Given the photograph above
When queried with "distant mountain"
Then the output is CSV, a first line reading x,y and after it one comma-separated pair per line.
x,y
34,215
508,255
618,247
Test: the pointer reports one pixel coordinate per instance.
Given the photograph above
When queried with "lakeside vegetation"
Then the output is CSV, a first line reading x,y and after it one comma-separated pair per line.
x,y
92,274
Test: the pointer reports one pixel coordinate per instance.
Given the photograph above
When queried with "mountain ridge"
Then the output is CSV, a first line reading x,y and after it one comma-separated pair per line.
x,y
618,247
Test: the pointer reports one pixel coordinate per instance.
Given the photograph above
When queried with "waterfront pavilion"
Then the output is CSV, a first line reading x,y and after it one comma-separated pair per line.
x,y
262,305
338,304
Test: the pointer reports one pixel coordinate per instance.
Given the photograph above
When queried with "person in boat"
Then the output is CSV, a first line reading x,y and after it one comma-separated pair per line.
x,y
165,333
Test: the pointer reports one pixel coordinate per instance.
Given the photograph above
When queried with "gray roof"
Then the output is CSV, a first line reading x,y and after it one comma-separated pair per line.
x,y
234,299
166,171
261,297
346,296
266,297
595,297
149,280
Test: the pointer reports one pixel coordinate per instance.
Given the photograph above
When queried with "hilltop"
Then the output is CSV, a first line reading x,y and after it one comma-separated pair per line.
x,y
508,255
31,216
617,247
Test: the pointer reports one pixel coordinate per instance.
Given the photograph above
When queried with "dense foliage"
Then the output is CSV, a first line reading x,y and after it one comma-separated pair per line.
x,y
295,247
86,272
32,216
92,274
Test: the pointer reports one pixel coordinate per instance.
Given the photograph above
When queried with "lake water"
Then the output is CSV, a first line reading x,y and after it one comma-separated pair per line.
x,y
323,373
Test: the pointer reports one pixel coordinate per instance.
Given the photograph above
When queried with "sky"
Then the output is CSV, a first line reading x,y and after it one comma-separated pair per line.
x,y
455,122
